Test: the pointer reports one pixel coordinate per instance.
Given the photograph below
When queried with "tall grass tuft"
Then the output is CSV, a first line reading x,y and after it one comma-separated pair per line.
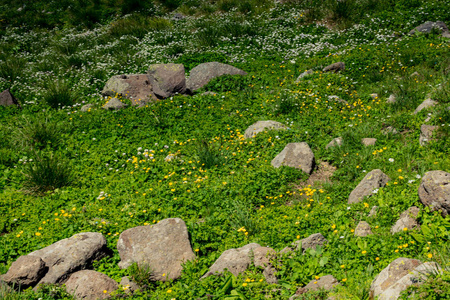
x,y
141,274
208,154
59,94
46,173
11,67
138,26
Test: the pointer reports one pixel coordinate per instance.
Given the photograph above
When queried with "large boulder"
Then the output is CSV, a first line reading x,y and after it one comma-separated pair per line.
x,y
428,26
7,99
424,105
90,285
234,260
373,180
398,276
163,247
434,191
261,126
426,134
203,73
26,271
336,67
296,155
408,220
167,79
136,87
70,255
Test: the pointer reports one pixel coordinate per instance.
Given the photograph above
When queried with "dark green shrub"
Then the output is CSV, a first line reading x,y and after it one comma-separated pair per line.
x,y
59,94
138,26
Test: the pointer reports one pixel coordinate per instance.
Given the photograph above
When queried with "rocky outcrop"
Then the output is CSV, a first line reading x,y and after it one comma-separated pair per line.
x,y
261,126
90,285
408,220
373,180
162,247
70,255
204,73
434,191
398,276
296,155
167,79
236,261
135,87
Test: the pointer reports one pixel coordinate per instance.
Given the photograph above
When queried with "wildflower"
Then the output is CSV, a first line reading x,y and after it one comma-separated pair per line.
x,y
244,284
429,255
391,159
364,252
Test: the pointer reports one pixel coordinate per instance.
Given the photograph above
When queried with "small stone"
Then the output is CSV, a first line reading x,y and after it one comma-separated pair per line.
x,y
8,99
336,99
424,105
327,282
90,285
311,242
114,104
368,141
262,126
335,142
363,229
426,134
391,99
296,155
336,67
87,107
389,130
374,96
304,74
373,212
373,180
127,285
434,191
408,220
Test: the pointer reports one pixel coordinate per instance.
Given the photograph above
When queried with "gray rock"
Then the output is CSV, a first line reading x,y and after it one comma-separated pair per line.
x,y
208,93
163,247
167,79
398,276
261,126
128,286
368,141
434,191
327,282
336,99
114,104
408,219
304,74
203,73
424,105
374,96
335,142
261,258
373,211
426,134
7,99
135,87
363,229
178,17
446,34
389,130
311,242
90,285
428,26
391,99
87,107
336,67
373,180
296,155
70,255
234,260
26,271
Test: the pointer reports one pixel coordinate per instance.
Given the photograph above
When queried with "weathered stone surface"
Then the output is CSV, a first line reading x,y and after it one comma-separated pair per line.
x,y
167,79
335,142
408,219
234,260
26,271
326,282
398,276
7,99
114,104
373,180
163,247
373,211
261,126
424,105
203,73
428,26
336,99
127,285
368,141
363,229
261,258
336,67
90,285
311,242
434,191
304,74
426,134
87,107
391,99
296,155
70,255
136,87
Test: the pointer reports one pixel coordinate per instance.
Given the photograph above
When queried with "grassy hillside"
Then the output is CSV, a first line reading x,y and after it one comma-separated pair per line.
x,y
110,165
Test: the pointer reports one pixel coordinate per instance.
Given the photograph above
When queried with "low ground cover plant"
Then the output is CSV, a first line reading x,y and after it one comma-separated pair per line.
x,y
65,171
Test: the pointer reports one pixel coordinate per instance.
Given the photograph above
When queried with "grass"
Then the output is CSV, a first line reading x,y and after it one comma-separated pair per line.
x,y
222,185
